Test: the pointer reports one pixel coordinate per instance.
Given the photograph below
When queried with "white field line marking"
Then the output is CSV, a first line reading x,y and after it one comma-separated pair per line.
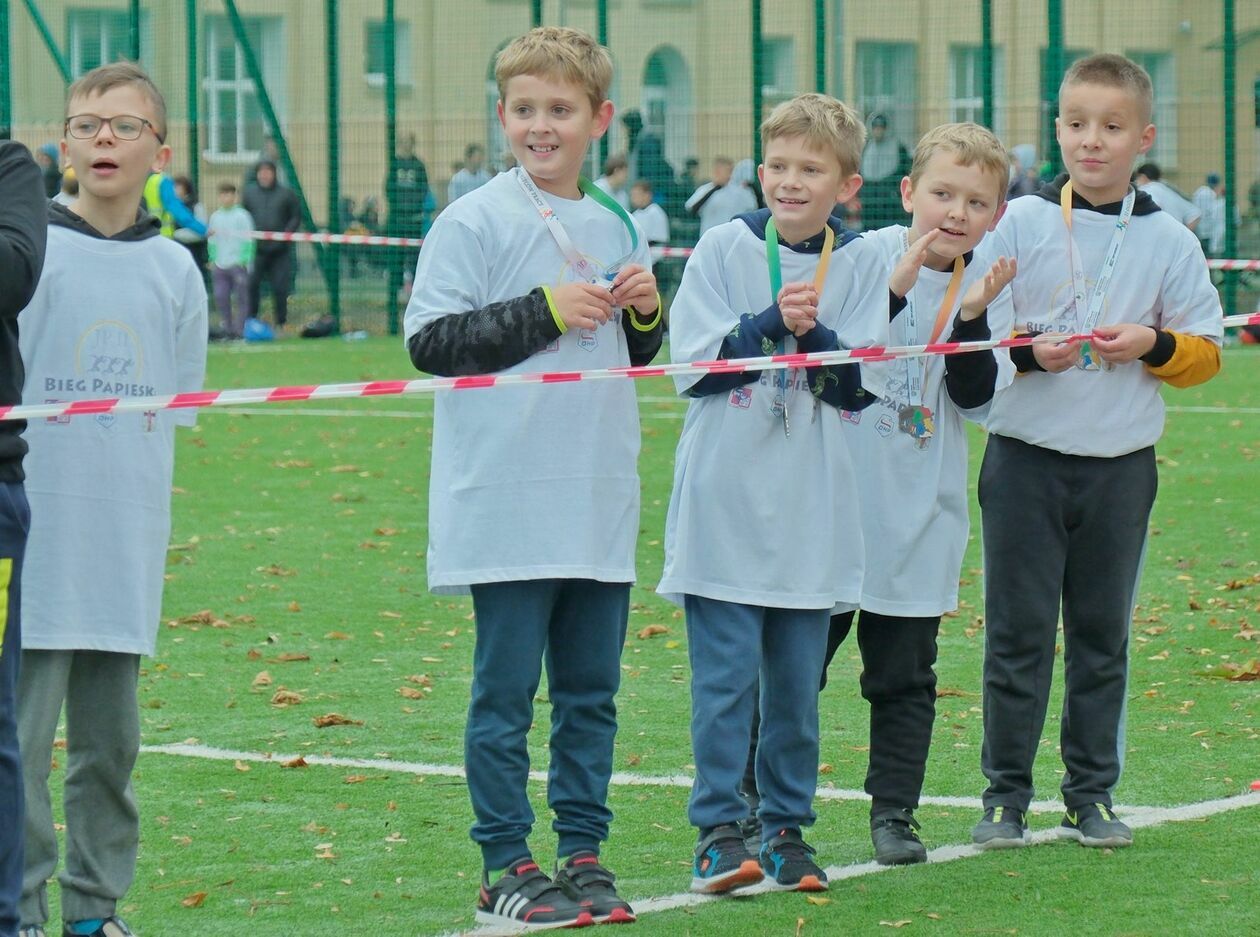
x,y
620,778
1135,817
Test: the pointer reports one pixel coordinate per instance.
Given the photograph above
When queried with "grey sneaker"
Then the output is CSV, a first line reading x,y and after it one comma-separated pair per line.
x,y
113,927
1095,825
1001,828
31,930
896,839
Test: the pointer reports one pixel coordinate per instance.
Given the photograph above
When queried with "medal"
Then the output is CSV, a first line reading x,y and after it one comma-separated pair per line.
x,y
915,420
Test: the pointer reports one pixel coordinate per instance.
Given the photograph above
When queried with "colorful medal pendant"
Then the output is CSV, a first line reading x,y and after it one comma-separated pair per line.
x,y
1088,359
916,422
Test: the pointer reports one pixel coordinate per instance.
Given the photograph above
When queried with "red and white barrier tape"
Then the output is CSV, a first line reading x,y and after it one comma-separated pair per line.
x,y
226,398
1234,264
375,240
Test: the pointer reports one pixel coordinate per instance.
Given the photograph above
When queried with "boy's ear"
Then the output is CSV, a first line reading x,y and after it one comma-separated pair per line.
x,y
498,109
849,188
997,215
761,176
162,157
1147,140
907,194
603,117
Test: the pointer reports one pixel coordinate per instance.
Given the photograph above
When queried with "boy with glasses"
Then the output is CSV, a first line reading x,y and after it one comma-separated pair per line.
x,y
119,311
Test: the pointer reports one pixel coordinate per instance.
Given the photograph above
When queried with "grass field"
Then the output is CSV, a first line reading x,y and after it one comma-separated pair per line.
x,y
297,591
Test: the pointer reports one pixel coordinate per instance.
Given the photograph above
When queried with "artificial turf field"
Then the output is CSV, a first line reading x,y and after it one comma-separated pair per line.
x,y
296,591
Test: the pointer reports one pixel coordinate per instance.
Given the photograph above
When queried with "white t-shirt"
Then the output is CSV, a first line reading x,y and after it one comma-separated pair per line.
x,y
1172,201
757,516
1160,280
914,498
465,181
528,482
100,486
728,201
229,235
655,223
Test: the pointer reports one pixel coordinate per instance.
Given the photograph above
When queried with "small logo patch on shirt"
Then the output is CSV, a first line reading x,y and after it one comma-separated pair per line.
x,y
741,397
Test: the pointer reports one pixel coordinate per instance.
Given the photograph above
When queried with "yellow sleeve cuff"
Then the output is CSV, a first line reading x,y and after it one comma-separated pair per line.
x,y
1195,359
555,313
651,323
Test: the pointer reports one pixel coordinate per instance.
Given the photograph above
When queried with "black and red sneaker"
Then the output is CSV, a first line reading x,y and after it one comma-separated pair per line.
x,y
525,896
592,886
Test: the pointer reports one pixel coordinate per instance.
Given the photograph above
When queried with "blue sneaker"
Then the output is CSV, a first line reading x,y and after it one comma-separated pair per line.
x,y
723,863
788,862
110,927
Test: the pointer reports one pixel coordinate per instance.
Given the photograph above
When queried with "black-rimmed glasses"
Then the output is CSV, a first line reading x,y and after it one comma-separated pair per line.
x,y
123,126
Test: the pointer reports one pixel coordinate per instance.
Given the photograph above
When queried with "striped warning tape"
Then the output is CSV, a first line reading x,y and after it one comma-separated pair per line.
x,y
223,398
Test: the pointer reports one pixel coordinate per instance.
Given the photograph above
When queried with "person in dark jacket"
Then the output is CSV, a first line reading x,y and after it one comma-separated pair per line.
x,y
23,231
273,207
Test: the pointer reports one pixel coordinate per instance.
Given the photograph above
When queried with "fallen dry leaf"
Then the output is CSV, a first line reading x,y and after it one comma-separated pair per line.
x,y
902,923
818,900
240,766
283,697
410,692
262,679
335,719
298,762
289,657
651,630
195,900
420,678
295,607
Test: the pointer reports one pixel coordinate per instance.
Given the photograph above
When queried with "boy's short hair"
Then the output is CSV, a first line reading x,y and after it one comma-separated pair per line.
x,y
969,144
227,187
472,149
558,52
724,161
825,123
1150,170
614,163
1113,71
115,74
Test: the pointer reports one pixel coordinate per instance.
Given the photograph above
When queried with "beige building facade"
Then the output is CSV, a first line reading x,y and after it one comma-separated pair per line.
x,y
685,64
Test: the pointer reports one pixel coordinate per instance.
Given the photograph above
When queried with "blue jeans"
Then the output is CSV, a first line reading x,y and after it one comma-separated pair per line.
x,y
15,522
577,627
729,645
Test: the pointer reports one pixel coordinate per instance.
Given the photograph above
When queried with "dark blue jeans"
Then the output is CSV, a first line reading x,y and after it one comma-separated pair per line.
x,y
15,521
577,627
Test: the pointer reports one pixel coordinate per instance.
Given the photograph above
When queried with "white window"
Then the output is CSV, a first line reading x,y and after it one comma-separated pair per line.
x,y
374,53
98,37
966,86
233,114
886,85
1161,67
778,69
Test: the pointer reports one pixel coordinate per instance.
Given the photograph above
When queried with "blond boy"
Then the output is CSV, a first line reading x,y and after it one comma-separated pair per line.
x,y
534,496
1069,473
762,537
120,311
910,453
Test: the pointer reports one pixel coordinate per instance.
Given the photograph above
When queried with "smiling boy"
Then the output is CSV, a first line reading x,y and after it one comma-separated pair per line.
x,y
533,494
1069,476
118,306
762,537
910,452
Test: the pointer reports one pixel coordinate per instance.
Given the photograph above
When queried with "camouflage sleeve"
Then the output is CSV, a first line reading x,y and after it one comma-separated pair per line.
x,y
485,340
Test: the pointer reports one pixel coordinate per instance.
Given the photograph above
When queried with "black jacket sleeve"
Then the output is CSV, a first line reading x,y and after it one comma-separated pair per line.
x,y
486,340
752,337
1022,355
642,345
970,377
23,228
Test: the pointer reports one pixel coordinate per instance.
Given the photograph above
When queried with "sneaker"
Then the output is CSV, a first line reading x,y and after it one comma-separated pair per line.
x,y
896,840
750,826
1095,825
1001,828
112,927
723,862
590,886
524,895
789,862
32,930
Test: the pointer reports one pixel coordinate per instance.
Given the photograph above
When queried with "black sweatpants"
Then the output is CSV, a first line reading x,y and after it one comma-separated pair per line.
x,y
898,682
273,263
1069,530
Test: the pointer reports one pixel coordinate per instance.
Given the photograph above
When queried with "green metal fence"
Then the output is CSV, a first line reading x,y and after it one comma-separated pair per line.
x,y
337,90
